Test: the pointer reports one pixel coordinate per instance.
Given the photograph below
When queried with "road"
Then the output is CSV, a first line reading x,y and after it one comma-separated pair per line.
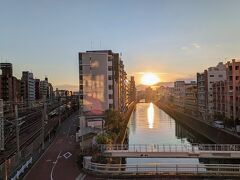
x,y
59,160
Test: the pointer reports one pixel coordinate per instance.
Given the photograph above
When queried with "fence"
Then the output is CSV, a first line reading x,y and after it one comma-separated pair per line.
x,y
170,147
166,169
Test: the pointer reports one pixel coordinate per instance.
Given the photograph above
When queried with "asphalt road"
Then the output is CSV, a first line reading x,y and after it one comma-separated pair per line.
x,y
59,160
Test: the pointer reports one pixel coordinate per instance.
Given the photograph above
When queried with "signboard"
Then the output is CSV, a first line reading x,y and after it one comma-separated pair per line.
x,y
1,126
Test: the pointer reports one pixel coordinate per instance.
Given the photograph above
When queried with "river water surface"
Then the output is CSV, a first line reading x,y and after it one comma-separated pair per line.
x,y
150,125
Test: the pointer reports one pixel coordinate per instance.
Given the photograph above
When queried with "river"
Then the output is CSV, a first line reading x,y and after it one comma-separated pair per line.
x,y
150,125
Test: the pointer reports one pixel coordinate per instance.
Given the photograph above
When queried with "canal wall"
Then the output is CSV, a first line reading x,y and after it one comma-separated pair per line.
x,y
217,136
120,139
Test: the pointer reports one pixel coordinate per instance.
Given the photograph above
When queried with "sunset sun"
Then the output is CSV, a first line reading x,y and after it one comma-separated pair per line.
x,y
149,79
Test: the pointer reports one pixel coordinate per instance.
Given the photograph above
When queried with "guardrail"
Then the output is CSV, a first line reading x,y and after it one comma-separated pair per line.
x,y
170,147
166,169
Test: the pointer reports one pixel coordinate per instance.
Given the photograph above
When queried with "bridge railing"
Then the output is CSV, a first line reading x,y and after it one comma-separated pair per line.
x,y
169,147
153,169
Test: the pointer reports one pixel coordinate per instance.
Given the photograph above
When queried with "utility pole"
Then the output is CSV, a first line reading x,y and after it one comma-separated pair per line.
x,y
44,115
17,131
2,137
59,116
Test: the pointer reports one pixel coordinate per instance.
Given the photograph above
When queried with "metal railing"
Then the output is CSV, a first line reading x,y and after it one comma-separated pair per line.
x,y
170,147
157,169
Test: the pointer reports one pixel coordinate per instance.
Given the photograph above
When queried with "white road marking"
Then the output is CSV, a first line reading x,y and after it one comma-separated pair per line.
x,y
81,176
67,155
55,165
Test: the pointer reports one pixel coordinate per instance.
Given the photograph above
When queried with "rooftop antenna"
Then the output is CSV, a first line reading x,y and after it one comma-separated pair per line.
x,y
100,44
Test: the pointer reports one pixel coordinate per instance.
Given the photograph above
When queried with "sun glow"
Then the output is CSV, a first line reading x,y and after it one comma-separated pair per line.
x,y
149,79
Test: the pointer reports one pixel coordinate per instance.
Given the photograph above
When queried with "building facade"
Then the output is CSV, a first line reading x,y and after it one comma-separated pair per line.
x,y
233,90
190,101
205,83
10,86
179,94
99,81
28,87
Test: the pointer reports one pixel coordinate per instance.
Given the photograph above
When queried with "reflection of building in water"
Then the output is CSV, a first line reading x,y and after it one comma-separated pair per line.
x,y
133,122
182,133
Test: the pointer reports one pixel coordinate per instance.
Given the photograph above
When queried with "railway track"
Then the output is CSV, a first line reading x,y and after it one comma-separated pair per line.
x,y
29,131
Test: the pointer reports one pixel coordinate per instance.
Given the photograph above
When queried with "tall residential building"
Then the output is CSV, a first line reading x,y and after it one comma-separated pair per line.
x,y
220,99
99,76
202,87
233,90
205,83
37,89
28,87
179,93
190,101
10,86
132,90
123,88
44,88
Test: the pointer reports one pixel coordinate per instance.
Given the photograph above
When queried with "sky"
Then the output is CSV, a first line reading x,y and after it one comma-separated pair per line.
x,y
173,38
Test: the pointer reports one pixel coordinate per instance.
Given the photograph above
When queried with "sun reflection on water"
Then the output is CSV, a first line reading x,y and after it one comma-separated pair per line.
x,y
150,114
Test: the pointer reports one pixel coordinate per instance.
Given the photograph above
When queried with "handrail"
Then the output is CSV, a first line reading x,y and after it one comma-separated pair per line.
x,y
158,168
170,147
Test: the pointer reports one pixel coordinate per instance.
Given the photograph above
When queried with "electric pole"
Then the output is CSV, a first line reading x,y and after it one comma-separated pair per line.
x,y
17,123
2,138
44,115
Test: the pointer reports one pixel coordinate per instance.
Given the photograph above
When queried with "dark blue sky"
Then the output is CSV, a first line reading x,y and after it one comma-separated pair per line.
x,y
173,38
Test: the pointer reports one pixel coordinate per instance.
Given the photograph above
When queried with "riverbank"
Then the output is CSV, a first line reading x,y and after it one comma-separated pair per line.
x,y
120,139
217,136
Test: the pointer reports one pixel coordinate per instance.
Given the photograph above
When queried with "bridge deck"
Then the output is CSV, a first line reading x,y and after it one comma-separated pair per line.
x,y
173,151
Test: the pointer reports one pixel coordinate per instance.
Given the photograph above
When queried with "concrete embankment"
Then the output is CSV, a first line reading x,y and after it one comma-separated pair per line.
x,y
215,135
120,139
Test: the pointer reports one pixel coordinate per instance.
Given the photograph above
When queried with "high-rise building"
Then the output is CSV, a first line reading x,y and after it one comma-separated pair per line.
x,y
205,83
179,93
190,100
202,90
132,90
37,89
10,86
28,87
44,88
100,81
233,90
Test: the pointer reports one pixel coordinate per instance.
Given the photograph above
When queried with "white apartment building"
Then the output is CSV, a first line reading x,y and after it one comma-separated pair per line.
x,y
99,81
215,74
28,87
205,83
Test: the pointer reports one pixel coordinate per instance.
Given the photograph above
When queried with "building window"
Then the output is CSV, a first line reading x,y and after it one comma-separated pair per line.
x,y
220,75
110,106
236,67
110,87
110,96
211,75
110,68
81,87
80,61
80,68
237,77
81,77
110,78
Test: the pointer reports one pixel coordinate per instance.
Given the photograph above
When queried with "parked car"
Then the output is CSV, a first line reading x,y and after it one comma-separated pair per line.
x,y
218,124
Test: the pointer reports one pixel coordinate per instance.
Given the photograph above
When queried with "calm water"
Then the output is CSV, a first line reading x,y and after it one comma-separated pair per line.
x,y
151,125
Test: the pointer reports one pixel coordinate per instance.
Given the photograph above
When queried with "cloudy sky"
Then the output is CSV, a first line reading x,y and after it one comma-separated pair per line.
x,y
173,38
